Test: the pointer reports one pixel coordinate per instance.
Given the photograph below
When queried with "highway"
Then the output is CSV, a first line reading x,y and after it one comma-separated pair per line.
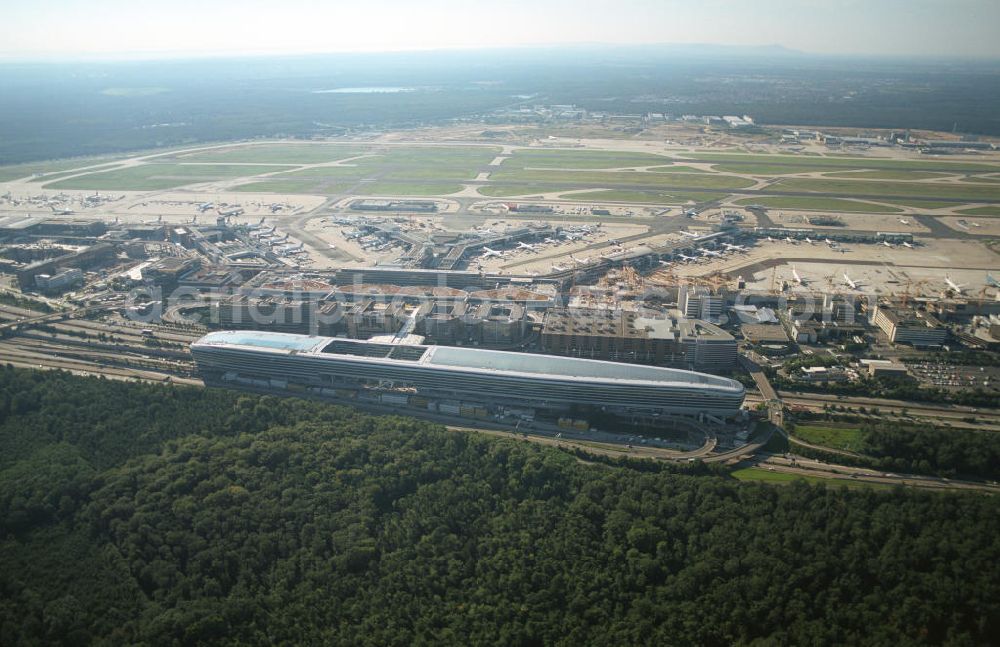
x,y
130,358
814,468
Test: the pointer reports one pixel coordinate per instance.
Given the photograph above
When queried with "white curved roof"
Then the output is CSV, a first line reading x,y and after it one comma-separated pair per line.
x,y
472,359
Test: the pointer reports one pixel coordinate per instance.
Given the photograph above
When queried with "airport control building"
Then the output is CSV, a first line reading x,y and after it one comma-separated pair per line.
x,y
438,375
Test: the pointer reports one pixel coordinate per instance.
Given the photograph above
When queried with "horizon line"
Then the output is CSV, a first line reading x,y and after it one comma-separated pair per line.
x,y
775,50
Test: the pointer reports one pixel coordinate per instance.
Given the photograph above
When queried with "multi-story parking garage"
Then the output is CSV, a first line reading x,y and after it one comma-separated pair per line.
x,y
349,368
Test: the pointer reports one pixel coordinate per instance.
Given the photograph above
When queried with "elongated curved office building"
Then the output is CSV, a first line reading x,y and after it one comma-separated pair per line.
x,y
488,377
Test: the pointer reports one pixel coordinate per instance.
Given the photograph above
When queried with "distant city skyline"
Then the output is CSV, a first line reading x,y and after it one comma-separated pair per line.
x,y
125,29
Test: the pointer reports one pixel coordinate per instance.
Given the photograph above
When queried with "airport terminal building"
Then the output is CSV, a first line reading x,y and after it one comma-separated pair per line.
x,y
436,377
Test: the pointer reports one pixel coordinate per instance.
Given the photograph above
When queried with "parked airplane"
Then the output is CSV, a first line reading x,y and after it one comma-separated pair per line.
x,y
734,248
158,220
551,241
231,212
850,283
810,240
527,246
559,268
62,212
904,221
992,281
687,259
789,239
711,252
954,286
664,263
795,275
491,253
580,261
205,206
690,234
888,244
829,242
906,244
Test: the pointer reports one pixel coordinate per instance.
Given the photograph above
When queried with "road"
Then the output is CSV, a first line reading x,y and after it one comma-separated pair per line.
x,y
814,468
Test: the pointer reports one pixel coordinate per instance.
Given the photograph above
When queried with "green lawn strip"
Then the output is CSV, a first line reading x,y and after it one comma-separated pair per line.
x,y
285,186
582,159
982,211
508,190
147,177
49,177
410,163
887,175
818,163
18,171
901,190
640,196
277,154
846,438
412,188
624,179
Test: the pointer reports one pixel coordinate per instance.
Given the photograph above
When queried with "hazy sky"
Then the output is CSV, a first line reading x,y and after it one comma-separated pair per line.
x,y
123,28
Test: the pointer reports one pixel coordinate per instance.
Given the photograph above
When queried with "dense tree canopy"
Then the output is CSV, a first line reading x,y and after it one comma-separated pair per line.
x,y
164,515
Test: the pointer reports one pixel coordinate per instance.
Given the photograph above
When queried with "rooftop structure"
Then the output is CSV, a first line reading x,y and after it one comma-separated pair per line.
x,y
646,337
280,360
905,326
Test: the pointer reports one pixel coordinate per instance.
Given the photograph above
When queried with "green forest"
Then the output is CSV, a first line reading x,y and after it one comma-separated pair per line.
x,y
164,515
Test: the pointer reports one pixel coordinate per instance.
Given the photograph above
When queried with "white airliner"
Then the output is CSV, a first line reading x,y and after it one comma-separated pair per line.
x,y
906,244
491,253
687,259
559,268
292,249
552,241
581,261
904,221
954,286
830,242
810,240
690,234
711,252
850,283
888,244
526,246
795,275
789,239
664,263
